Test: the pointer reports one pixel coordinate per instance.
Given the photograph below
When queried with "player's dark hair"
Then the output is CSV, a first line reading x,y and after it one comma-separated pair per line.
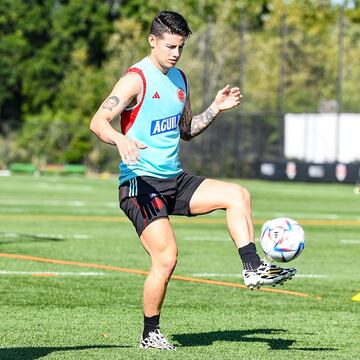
x,y
170,22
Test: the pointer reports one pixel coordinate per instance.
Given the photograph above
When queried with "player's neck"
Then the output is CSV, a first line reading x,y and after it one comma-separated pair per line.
x,y
163,69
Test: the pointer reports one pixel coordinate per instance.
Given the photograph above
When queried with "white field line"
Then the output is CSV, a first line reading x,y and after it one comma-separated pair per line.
x,y
45,236
5,272
350,241
71,203
44,202
311,276
114,204
209,238
100,210
297,215
80,236
67,187
217,275
111,204
206,238
314,276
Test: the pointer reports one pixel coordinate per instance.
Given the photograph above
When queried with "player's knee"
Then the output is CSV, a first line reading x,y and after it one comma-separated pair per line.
x,y
241,196
168,265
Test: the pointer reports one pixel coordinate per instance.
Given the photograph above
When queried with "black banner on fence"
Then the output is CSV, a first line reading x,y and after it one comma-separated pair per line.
x,y
302,171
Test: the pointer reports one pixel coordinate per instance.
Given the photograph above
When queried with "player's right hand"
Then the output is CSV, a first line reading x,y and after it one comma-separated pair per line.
x,y
129,150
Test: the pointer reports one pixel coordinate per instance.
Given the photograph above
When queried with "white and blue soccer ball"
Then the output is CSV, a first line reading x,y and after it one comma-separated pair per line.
x,y
282,239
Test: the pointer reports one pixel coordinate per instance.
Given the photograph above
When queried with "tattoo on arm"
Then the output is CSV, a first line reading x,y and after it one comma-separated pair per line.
x,y
110,102
201,122
185,124
193,126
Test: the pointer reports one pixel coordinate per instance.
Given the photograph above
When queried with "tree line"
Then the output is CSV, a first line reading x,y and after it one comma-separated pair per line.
x,y
59,59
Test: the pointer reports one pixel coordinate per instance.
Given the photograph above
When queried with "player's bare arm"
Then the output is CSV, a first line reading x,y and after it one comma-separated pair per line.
x,y
191,126
126,92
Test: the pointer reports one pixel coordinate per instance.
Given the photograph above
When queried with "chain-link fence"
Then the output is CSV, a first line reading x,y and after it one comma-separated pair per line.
x,y
233,144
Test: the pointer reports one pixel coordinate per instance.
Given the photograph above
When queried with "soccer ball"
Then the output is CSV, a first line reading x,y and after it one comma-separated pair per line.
x,y
282,239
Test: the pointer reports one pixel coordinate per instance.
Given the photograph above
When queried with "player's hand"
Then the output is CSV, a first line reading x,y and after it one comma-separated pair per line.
x,y
129,150
227,98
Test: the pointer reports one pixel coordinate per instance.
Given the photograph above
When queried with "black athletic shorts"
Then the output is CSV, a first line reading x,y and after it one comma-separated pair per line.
x,y
144,198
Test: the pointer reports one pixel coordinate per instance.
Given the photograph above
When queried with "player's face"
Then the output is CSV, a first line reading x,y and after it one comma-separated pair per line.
x,y
166,51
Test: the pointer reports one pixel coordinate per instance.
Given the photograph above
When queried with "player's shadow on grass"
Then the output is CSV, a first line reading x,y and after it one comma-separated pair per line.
x,y
12,238
250,336
33,353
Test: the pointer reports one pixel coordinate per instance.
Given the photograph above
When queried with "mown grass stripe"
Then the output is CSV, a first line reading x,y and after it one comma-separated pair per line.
x,y
142,272
176,220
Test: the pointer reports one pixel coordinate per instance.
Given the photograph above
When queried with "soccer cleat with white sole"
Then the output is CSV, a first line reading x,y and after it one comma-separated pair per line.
x,y
156,340
267,274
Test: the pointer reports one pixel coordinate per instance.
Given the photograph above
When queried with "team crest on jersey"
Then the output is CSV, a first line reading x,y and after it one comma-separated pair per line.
x,y
164,125
181,94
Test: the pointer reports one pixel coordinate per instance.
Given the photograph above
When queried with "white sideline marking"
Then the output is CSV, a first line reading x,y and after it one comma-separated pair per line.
x,y
5,272
350,241
314,276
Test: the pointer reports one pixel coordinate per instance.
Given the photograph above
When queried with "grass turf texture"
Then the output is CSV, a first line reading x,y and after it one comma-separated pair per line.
x,y
100,317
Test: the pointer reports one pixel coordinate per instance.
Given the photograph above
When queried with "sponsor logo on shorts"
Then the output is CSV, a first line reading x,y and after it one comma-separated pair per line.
x,y
164,125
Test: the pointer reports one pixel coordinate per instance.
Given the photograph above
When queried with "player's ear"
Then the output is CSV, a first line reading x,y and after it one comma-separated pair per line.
x,y
152,40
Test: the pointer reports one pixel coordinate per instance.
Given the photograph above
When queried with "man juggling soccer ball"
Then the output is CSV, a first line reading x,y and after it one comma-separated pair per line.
x,y
153,100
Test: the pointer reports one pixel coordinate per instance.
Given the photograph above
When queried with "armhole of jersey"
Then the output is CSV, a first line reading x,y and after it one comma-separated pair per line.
x,y
137,72
128,116
185,81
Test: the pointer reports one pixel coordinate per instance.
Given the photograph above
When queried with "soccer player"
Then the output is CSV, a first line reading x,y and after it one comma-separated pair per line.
x,y
153,99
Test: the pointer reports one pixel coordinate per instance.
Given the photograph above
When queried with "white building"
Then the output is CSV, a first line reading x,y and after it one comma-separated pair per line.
x,y
323,137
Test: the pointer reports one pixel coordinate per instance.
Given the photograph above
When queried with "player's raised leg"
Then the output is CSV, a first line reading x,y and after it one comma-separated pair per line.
x,y
159,241
236,201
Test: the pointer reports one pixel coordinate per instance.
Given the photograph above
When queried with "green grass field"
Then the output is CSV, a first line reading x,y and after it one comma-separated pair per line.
x,y
67,311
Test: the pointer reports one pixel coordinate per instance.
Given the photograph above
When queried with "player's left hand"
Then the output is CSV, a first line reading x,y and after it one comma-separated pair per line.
x,y
227,98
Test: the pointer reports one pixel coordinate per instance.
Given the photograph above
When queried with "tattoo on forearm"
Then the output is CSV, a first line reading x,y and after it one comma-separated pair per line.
x,y
201,122
193,126
110,103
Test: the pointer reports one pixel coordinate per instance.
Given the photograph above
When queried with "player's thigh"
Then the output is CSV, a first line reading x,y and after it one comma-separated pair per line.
x,y
159,241
216,194
144,209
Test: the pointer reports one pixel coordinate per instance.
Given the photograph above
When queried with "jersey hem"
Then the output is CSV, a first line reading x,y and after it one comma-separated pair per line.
x,y
146,173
